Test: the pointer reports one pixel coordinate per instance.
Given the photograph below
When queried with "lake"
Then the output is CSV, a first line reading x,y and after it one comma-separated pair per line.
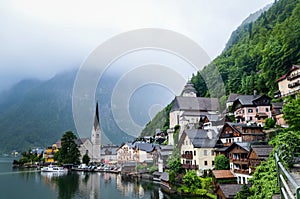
x,y
16,184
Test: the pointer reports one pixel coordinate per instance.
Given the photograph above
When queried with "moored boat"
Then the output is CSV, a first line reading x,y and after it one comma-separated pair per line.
x,y
52,168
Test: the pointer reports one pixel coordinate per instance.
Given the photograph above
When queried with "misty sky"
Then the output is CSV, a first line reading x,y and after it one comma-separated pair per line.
x,y
41,38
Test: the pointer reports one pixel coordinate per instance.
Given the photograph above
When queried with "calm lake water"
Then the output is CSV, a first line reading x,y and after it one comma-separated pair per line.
x,y
23,184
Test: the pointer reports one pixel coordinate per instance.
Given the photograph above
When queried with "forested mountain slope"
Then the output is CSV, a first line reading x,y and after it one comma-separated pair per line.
x,y
255,56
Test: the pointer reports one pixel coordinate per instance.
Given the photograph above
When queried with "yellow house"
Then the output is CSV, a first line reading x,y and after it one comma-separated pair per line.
x,y
197,147
49,153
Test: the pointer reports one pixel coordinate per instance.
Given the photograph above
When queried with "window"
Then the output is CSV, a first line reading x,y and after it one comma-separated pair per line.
x,y
205,163
194,152
212,152
257,110
205,152
250,110
213,163
250,118
267,110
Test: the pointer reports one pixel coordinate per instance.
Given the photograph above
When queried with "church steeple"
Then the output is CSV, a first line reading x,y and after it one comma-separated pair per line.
x,y
96,131
96,137
189,90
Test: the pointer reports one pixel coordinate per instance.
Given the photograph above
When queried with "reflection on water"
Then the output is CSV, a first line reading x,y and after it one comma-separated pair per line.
x,y
73,185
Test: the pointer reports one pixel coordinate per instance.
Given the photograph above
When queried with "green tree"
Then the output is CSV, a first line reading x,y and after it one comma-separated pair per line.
x,y
270,123
244,193
68,152
191,180
291,111
221,162
86,159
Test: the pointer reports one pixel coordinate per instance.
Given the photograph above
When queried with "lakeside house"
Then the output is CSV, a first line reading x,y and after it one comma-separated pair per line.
x,y
126,153
197,148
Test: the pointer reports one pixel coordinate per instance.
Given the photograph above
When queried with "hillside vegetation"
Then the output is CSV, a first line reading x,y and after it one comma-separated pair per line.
x,y
264,51
257,53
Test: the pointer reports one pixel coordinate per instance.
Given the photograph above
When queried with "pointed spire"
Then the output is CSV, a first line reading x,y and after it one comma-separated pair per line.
x,y
96,119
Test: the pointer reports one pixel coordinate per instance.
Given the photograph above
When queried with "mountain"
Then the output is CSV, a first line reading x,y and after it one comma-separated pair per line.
x,y
261,50
244,27
37,113
261,55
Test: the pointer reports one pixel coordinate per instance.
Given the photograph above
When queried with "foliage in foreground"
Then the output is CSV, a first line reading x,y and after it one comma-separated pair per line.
x,y
69,152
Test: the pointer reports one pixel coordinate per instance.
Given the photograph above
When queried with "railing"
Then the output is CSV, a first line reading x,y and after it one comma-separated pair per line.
x,y
239,160
293,76
187,156
288,186
189,166
241,171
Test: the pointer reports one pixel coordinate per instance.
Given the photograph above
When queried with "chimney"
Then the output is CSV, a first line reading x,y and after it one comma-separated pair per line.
x,y
255,92
209,134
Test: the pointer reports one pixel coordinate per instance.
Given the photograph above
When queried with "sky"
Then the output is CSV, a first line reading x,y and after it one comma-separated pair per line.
x,y
42,38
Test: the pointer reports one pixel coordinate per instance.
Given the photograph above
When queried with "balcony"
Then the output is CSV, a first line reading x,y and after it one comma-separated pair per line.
x,y
239,160
187,156
241,171
293,76
294,84
189,166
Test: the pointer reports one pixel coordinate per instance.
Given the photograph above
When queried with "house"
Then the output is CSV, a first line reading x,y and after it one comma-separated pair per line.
x,y
49,153
228,191
252,108
238,132
163,153
238,161
277,114
144,151
128,168
197,147
289,83
188,108
164,180
126,153
222,177
257,154
231,98
109,153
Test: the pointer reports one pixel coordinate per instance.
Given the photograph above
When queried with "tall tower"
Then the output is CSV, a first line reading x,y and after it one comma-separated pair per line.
x,y
189,90
96,137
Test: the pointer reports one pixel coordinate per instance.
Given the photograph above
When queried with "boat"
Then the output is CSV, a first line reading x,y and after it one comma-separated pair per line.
x,y
52,168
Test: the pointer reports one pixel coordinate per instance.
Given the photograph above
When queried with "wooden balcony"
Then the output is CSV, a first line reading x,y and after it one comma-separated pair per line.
x,y
189,166
293,76
241,171
187,156
239,161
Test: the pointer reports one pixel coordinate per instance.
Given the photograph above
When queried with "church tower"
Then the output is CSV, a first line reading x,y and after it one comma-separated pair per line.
x,y
96,137
189,90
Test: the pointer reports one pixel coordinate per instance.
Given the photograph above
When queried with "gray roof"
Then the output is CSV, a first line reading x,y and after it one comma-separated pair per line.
x,y
200,139
232,97
246,99
164,176
189,87
230,190
262,151
195,104
144,146
112,150
244,145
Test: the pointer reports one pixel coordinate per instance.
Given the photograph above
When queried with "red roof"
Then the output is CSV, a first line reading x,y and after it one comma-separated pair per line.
x,y
222,174
294,67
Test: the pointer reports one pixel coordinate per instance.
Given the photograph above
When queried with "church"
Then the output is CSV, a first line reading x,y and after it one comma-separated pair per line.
x,y
189,109
92,146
